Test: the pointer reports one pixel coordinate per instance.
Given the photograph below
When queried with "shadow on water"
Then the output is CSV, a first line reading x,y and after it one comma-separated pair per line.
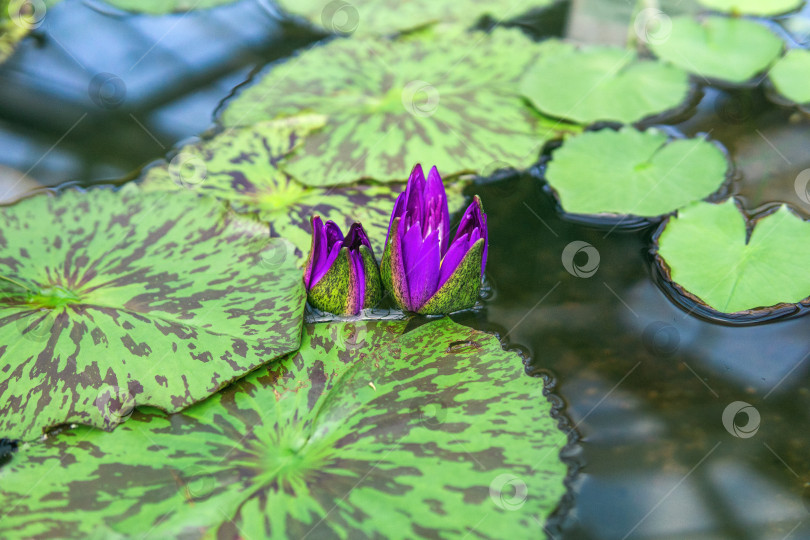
x,y
688,428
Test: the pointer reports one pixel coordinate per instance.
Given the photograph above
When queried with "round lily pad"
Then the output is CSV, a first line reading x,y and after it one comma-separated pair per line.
x,y
385,17
239,165
736,268
449,101
601,83
790,76
111,299
723,49
617,174
437,430
762,8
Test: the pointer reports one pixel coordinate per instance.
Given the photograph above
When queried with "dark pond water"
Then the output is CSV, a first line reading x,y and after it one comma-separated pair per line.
x,y
644,384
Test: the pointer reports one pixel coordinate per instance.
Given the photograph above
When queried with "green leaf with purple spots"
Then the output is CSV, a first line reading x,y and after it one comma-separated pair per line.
x,y
600,83
240,165
450,101
110,299
364,433
386,17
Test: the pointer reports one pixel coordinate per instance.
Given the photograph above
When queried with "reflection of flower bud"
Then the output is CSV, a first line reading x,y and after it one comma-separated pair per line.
x,y
341,274
421,268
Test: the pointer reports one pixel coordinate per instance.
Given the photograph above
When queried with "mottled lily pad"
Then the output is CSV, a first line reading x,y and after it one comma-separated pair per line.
x,y
634,173
160,7
790,76
762,8
240,165
385,17
722,49
601,83
448,101
110,299
715,260
364,433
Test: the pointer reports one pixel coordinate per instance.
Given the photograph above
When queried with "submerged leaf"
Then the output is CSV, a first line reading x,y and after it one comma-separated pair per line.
x,y
111,299
384,17
729,50
240,165
708,254
634,173
364,433
600,83
791,76
450,101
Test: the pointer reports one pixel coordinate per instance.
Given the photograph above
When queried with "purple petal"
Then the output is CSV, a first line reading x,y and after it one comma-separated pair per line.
x,y
415,197
452,259
356,237
317,250
422,259
399,209
333,241
437,210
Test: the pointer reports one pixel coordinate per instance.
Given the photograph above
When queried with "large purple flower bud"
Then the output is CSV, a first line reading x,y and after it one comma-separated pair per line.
x,y
421,269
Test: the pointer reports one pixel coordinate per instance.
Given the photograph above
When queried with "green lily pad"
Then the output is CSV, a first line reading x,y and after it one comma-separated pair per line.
x,y
600,83
160,7
385,17
110,299
708,253
791,76
364,433
634,173
240,166
723,49
447,101
761,8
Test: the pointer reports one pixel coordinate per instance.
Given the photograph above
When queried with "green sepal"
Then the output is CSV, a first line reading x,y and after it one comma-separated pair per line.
x,y
332,292
461,290
394,283
372,274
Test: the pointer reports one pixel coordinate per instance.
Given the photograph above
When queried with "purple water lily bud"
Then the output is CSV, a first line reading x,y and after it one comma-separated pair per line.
x,y
341,275
421,269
